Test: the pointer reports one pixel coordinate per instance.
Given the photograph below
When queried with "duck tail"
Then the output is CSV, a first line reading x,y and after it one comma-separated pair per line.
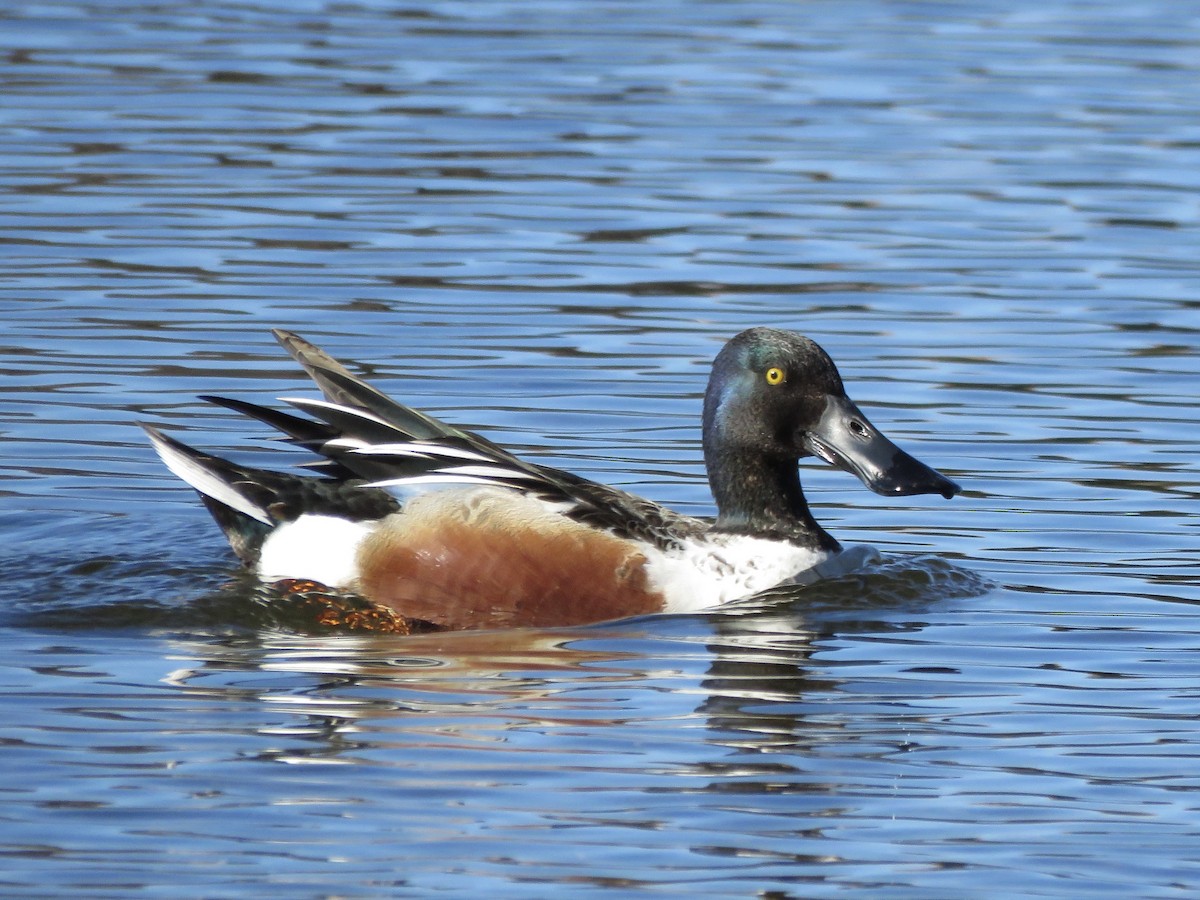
x,y
247,503
232,494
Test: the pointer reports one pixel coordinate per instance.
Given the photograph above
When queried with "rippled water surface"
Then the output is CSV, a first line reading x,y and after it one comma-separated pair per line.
x,y
541,219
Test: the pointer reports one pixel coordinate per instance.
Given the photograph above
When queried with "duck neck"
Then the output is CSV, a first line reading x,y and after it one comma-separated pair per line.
x,y
760,495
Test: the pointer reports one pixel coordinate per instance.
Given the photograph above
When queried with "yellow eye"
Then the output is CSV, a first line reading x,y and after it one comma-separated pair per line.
x,y
775,375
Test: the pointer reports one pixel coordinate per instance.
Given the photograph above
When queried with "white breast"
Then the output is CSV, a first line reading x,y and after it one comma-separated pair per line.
x,y
715,569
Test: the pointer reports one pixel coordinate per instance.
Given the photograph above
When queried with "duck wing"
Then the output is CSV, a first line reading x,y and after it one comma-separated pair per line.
x,y
362,433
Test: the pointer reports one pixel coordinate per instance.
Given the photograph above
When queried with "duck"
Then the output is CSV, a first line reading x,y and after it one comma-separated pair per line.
x,y
424,522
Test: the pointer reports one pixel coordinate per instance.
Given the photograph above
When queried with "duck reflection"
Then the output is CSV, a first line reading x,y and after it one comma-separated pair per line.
x,y
745,675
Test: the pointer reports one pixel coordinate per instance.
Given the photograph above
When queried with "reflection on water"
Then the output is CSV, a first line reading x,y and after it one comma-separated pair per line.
x,y
541,220
743,745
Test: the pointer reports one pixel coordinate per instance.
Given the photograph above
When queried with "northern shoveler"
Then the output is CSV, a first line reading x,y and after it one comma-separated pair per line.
x,y
440,525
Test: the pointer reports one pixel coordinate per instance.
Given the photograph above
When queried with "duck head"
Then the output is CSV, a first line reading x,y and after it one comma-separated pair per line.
x,y
775,397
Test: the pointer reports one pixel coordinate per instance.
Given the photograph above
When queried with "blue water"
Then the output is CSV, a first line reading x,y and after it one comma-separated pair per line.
x,y
541,220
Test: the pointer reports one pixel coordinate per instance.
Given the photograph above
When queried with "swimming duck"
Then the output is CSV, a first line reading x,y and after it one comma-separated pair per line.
x,y
439,525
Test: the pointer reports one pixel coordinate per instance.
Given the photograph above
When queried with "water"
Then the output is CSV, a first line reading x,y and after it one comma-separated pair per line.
x,y
541,220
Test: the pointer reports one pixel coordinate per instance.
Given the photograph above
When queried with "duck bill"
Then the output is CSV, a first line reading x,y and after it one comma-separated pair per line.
x,y
844,438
